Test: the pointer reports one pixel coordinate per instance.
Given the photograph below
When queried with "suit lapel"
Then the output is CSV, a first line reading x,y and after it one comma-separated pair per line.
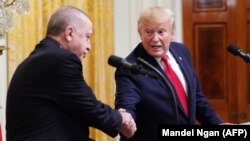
x,y
151,60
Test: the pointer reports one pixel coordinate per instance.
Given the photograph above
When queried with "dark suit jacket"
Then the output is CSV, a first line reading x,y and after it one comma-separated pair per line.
x,y
149,100
48,99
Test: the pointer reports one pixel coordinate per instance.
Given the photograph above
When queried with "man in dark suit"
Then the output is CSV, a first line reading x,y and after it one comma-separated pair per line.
x,y
149,100
48,98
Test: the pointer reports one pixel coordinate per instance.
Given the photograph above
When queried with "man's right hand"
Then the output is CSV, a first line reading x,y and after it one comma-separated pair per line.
x,y
128,127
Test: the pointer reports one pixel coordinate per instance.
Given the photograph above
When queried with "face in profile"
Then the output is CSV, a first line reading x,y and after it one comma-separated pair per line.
x,y
80,44
156,36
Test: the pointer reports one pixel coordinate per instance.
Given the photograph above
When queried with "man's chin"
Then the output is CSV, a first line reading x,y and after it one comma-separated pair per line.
x,y
157,55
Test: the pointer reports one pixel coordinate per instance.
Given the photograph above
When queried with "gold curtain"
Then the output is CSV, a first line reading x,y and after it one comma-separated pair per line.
x,y
30,29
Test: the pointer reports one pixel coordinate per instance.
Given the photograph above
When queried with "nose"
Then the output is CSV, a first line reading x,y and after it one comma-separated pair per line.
x,y
155,37
88,47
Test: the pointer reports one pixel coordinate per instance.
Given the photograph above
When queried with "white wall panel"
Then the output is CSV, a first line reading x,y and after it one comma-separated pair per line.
x,y
3,87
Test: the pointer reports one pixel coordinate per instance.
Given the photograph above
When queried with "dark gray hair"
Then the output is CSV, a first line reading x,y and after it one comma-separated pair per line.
x,y
64,16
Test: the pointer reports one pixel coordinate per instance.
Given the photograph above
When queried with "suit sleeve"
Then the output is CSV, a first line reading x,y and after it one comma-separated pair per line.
x,y
128,94
76,97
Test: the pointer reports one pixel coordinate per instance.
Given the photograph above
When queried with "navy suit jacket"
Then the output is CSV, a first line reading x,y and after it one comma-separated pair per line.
x,y
149,100
48,99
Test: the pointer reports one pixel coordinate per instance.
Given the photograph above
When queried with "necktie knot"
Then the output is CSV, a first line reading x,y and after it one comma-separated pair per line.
x,y
167,65
165,59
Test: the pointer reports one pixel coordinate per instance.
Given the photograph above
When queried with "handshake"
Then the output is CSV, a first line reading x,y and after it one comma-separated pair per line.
x,y
128,126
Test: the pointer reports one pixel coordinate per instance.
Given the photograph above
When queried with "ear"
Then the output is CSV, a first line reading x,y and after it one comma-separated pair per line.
x,y
140,32
68,33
